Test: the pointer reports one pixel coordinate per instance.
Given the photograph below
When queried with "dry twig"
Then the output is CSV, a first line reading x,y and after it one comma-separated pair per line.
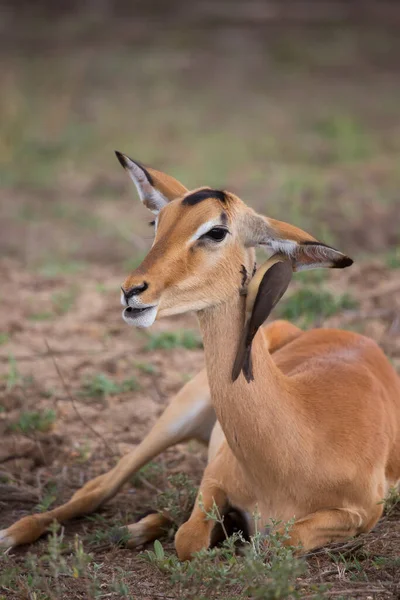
x,y
73,402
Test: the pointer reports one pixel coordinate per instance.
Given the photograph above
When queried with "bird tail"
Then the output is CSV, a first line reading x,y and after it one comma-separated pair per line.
x,y
243,361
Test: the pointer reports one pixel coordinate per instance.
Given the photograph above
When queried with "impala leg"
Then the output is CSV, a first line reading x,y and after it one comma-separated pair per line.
x,y
189,415
147,529
326,526
195,534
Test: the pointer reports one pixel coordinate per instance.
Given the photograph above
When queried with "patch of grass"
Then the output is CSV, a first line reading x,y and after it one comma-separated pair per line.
x,y
178,499
103,288
314,276
41,316
101,386
265,568
48,498
347,138
151,472
350,563
51,575
64,301
392,501
167,340
13,378
120,586
146,367
82,452
308,304
31,421
56,268
383,562
114,535
393,258
4,338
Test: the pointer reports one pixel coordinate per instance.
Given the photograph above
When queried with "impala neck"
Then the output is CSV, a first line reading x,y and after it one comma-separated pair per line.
x,y
246,411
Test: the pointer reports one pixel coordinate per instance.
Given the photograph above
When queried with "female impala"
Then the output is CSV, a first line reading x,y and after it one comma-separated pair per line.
x,y
308,424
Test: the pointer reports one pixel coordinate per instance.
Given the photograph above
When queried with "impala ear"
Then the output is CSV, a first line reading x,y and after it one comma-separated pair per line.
x,y
155,188
305,251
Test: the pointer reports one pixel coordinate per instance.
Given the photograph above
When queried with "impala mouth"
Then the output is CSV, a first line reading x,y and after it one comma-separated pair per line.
x,y
140,316
130,312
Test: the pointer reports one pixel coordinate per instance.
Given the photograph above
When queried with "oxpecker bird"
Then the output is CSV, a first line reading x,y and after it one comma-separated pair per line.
x,y
265,290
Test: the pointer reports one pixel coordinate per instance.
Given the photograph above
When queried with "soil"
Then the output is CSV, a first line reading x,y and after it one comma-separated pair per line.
x,y
86,440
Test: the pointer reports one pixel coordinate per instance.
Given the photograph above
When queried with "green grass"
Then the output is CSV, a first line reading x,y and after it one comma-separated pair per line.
x,y
309,304
101,386
146,367
178,499
151,472
41,316
56,268
264,569
346,137
13,378
4,338
49,576
392,501
311,277
49,496
64,301
288,167
167,340
31,421
393,258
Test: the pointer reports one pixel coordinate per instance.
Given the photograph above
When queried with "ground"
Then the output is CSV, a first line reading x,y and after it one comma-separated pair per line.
x,y
303,125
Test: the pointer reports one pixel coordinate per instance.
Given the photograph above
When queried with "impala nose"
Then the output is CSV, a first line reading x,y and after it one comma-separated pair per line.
x,y
135,290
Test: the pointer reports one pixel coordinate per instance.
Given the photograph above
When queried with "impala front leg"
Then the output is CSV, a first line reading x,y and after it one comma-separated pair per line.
x,y
189,415
195,534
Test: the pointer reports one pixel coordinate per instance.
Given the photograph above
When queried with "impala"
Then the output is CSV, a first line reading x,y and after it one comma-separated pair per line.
x,y
301,425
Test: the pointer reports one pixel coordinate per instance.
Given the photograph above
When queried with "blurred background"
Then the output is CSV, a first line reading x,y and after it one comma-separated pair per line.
x,y
293,105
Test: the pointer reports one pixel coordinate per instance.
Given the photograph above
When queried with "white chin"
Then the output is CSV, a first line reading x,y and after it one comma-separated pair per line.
x,y
144,318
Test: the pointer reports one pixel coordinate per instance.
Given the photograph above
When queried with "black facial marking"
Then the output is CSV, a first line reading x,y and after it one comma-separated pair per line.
x,y
201,195
224,218
243,271
123,162
254,269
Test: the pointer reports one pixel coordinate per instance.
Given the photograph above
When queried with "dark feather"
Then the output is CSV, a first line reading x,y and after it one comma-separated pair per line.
x,y
272,287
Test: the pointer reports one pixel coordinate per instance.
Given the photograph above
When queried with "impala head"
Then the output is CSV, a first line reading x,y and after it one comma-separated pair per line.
x,y
204,247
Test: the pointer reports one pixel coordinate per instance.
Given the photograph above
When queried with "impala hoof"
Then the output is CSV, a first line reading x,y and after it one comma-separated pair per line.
x,y
6,541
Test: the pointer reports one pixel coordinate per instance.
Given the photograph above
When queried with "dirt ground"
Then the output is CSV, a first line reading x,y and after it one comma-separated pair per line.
x,y
71,230
86,439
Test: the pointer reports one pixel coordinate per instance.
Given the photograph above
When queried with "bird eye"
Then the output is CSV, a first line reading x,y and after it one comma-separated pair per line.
x,y
217,234
152,223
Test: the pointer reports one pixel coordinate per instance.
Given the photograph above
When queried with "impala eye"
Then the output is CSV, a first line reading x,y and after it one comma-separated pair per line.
x,y
217,234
